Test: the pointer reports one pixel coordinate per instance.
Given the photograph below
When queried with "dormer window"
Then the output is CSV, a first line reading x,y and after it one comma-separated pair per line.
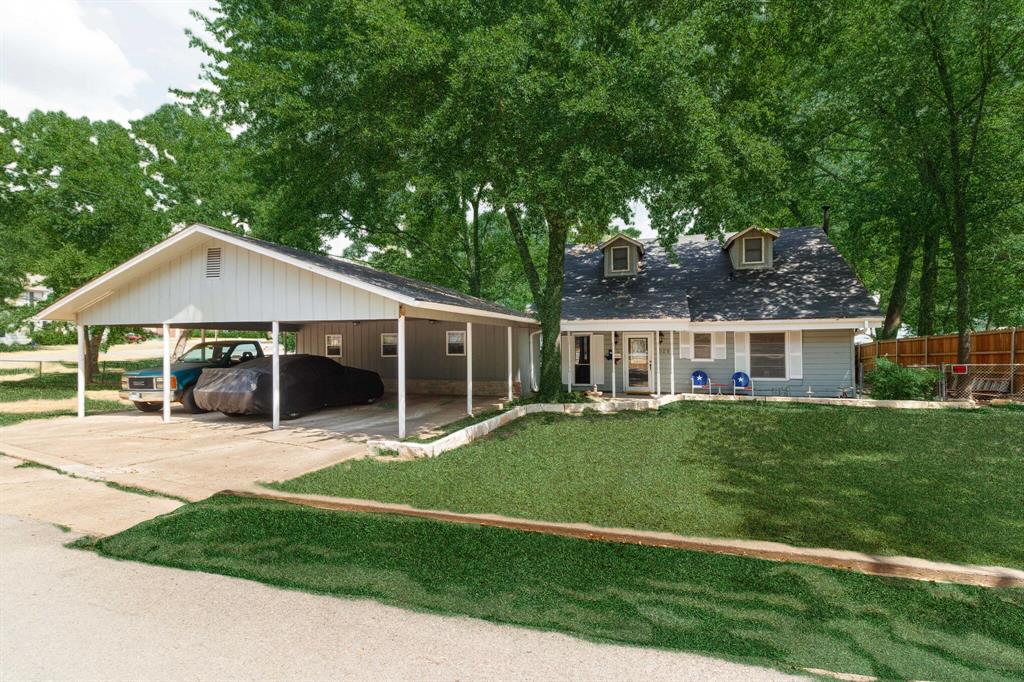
x,y
620,259
621,255
753,250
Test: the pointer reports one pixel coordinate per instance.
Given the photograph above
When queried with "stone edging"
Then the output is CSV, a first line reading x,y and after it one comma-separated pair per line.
x,y
480,429
860,562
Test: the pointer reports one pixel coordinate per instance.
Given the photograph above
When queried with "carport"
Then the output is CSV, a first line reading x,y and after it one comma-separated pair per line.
x,y
205,278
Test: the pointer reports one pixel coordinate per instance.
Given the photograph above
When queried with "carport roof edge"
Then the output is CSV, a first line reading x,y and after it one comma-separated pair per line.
x,y
404,290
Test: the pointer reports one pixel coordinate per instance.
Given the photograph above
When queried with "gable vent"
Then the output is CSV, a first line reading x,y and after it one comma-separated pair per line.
x,y
213,262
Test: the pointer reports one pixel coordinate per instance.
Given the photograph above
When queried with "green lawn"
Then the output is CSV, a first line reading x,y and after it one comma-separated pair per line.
x,y
54,386
784,615
91,407
939,484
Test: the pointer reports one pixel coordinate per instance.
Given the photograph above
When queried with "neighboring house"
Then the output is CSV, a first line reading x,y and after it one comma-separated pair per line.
x,y
33,293
781,306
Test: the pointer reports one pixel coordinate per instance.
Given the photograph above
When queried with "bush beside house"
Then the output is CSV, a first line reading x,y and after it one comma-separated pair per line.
x,y
889,381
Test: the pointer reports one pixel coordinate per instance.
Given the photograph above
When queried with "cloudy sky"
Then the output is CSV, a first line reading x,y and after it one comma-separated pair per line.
x,y
108,59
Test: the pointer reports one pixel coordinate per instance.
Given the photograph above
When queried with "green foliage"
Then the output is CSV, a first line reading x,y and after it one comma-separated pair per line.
x,y
761,612
889,381
54,334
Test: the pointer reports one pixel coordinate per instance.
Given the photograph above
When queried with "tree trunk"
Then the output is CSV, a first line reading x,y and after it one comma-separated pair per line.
x,y
93,341
901,283
549,309
929,281
963,290
474,249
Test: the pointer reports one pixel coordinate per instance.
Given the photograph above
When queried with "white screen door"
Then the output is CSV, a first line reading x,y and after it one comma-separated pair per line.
x,y
638,364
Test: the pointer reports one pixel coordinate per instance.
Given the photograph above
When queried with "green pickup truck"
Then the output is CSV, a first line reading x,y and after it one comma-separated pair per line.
x,y
145,387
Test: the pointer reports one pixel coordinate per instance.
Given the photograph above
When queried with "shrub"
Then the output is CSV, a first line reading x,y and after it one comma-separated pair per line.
x,y
54,334
889,381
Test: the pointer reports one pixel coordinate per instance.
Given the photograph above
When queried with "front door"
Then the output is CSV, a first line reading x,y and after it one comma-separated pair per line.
x,y
581,355
637,368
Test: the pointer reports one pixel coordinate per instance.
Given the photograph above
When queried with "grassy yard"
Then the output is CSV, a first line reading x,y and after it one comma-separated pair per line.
x,y
783,615
939,484
54,386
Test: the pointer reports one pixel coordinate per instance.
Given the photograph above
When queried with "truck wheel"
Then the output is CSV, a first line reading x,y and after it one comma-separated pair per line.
x,y
188,401
149,407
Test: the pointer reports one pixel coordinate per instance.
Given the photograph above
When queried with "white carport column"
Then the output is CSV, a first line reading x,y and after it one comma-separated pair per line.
x,y
167,372
510,363
401,374
469,368
275,349
81,371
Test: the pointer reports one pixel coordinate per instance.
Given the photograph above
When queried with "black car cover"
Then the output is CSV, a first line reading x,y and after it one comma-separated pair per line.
x,y
308,383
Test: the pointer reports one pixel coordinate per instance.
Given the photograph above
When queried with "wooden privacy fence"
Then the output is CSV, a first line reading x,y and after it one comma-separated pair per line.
x,y
996,347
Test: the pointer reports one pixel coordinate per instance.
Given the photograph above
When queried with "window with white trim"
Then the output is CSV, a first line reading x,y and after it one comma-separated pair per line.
x,y
455,342
332,343
702,346
768,355
389,345
620,259
753,250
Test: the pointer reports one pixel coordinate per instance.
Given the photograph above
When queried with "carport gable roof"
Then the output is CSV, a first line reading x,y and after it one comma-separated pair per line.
x,y
403,290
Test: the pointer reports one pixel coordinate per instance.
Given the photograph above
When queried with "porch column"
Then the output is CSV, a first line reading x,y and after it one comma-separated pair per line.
x,y
469,368
571,364
509,363
672,362
401,374
275,349
613,364
657,366
81,371
167,372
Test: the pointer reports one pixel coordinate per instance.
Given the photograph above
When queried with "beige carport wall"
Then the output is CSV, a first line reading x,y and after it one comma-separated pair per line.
x,y
208,278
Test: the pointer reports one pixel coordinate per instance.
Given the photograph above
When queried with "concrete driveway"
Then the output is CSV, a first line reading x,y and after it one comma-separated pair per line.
x,y
197,455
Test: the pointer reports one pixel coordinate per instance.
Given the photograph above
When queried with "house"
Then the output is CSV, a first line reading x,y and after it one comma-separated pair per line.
x,y
34,292
781,306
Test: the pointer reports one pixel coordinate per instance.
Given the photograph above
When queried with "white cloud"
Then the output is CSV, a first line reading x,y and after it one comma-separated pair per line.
x,y
51,58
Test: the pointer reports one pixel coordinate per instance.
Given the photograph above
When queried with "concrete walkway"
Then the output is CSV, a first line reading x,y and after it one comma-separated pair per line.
x,y
72,615
890,566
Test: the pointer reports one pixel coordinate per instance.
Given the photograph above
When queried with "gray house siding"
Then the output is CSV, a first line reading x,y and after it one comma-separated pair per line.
x,y
827,366
428,367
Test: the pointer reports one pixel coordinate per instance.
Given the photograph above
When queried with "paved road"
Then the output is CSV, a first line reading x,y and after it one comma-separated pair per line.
x,y
69,614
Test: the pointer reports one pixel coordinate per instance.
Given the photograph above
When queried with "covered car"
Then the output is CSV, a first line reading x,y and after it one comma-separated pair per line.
x,y
308,383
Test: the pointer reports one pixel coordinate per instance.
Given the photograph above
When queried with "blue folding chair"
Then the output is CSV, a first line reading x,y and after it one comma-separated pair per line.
x,y
741,382
699,379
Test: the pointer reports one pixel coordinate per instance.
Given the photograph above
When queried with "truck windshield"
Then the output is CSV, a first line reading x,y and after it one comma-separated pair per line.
x,y
206,352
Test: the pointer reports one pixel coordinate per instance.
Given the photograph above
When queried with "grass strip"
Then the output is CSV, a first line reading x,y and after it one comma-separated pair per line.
x,y
946,485
783,615
91,407
27,464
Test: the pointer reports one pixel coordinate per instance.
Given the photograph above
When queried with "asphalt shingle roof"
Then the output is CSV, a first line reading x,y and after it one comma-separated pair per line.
x,y
407,286
809,279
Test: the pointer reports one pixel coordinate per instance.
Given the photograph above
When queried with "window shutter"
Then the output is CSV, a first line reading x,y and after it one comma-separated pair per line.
x,y
795,354
213,262
686,345
566,358
597,359
718,345
742,351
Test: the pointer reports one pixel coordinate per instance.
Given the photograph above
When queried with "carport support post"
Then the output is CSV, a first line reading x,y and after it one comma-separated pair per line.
x,y
657,367
275,349
613,363
167,372
81,371
469,368
510,363
401,375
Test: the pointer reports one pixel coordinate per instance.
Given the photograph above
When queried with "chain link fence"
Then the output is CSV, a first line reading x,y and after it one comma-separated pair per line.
x,y
982,382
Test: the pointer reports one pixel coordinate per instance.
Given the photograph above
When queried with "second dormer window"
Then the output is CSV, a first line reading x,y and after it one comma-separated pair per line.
x,y
620,259
753,250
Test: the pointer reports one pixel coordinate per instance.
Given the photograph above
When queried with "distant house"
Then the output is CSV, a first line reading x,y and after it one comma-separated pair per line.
x,y
782,307
33,293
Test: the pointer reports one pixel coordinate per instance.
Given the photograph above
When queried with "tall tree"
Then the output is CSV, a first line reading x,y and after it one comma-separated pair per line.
x,y
563,113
